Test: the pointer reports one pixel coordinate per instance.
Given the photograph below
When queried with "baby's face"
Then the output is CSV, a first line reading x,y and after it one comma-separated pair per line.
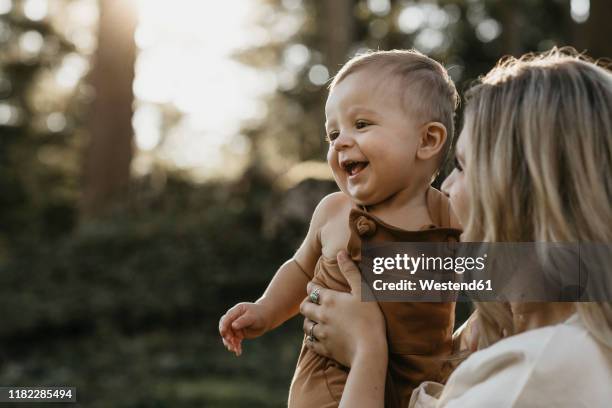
x,y
373,140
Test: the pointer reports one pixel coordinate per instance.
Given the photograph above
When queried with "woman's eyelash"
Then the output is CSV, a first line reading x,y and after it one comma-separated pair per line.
x,y
458,165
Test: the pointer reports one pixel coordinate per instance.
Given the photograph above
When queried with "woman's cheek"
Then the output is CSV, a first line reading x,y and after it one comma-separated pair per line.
x,y
454,187
459,201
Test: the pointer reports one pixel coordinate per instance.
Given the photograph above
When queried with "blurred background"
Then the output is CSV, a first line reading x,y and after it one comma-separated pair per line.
x,y
160,159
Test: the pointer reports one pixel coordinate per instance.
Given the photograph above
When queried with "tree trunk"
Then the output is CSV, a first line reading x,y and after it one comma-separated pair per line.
x,y
339,32
337,36
510,36
109,151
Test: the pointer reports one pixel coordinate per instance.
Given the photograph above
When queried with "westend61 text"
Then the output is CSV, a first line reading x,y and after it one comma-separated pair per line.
x,y
430,284
428,263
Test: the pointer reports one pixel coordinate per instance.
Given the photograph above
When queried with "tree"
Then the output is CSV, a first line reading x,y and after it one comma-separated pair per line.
x,y
109,153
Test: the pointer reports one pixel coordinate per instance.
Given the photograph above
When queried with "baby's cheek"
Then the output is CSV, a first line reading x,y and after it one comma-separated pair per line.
x,y
332,161
331,155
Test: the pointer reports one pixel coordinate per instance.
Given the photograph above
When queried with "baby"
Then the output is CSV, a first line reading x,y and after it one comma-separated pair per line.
x,y
389,121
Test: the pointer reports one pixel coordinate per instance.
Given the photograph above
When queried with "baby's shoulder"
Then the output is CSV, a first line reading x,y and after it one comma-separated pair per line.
x,y
335,200
332,204
332,212
333,227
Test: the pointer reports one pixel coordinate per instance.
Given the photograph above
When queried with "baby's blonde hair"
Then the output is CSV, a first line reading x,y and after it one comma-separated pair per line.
x,y
437,96
540,162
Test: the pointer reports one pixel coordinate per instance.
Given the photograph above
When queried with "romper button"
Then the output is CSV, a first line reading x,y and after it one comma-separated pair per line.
x,y
365,226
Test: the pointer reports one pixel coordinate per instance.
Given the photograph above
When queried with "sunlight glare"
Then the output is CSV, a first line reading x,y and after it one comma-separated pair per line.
x,y
185,61
6,6
148,120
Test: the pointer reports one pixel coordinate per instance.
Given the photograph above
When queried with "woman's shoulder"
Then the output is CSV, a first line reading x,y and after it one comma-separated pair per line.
x,y
560,365
533,343
555,345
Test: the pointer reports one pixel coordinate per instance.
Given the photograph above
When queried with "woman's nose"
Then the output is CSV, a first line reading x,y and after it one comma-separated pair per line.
x,y
447,183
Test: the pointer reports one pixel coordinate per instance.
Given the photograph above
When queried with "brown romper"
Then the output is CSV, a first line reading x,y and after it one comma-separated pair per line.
x,y
419,334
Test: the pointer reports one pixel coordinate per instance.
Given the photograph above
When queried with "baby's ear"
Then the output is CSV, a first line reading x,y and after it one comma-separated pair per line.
x,y
433,138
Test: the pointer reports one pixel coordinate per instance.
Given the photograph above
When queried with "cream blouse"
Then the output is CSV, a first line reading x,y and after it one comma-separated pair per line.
x,y
553,366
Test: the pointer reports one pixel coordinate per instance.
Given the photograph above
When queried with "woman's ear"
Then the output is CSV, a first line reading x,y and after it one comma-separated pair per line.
x,y
433,138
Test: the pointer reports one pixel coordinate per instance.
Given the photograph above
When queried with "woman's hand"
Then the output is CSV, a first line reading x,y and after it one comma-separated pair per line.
x,y
346,328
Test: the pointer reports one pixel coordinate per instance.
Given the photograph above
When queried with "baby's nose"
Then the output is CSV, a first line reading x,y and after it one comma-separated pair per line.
x,y
343,141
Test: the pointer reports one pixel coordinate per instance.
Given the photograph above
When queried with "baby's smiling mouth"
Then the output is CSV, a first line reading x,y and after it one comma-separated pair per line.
x,y
353,167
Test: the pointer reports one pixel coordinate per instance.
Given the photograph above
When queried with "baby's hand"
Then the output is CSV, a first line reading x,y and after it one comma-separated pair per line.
x,y
243,321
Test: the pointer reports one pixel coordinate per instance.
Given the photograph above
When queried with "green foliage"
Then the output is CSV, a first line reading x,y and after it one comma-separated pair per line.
x,y
38,124
126,308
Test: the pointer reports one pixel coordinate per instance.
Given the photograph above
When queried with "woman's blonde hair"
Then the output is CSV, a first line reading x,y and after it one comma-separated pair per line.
x,y
540,163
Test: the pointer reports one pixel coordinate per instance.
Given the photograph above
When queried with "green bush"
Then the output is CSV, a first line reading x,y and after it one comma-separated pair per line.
x,y
126,308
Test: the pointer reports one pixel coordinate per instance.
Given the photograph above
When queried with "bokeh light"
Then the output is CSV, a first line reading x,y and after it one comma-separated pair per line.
x,y
488,30
318,74
410,19
580,10
35,10
379,7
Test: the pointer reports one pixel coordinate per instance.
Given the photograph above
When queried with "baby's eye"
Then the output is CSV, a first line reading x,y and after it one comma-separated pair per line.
x,y
458,165
360,124
331,136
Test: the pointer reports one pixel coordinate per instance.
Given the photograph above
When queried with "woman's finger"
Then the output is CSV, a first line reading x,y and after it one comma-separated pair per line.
x,y
350,271
312,286
308,326
314,329
311,310
318,348
324,294
318,331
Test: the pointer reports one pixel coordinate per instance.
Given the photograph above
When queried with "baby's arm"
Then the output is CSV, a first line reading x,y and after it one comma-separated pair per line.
x,y
278,304
282,298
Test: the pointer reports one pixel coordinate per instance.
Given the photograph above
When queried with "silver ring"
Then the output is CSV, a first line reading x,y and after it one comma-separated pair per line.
x,y
311,335
314,296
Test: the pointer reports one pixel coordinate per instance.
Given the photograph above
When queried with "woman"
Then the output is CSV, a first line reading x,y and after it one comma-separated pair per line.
x,y
533,163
